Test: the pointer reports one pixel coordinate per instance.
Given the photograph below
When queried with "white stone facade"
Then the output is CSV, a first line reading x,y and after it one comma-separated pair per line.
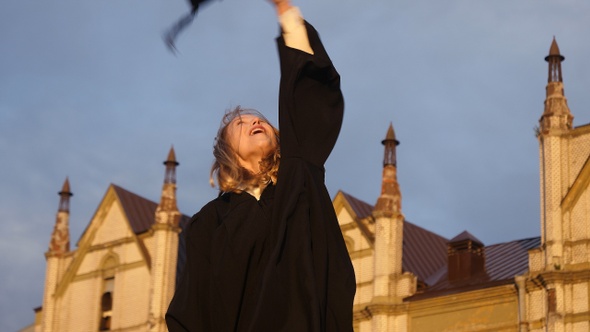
x,y
122,275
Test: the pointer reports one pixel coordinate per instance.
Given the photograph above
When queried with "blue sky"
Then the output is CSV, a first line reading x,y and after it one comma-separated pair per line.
x,y
89,91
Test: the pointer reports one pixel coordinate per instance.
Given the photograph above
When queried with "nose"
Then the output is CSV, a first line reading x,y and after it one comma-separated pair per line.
x,y
256,121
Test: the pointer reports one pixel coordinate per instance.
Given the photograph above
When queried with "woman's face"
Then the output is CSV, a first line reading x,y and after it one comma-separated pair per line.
x,y
252,138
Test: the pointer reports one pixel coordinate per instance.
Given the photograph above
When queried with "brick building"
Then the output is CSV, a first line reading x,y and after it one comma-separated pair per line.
x,y
122,274
409,279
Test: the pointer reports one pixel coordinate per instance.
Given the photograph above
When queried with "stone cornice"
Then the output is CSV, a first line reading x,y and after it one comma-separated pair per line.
x,y
166,227
361,253
467,299
50,254
99,272
375,308
110,244
348,227
576,318
136,327
580,130
563,277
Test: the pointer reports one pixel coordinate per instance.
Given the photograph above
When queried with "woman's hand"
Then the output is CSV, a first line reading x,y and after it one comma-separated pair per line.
x,y
281,5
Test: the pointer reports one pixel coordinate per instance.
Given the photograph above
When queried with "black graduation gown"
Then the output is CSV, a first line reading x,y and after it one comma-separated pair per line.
x,y
280,263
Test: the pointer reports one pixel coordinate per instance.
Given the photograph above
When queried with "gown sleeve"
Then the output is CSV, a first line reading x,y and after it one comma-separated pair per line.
x,y
311,105
309,264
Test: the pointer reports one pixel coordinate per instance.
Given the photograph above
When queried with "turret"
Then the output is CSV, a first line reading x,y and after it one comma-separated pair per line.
x,y
389,202
165,248
390,284
60,238
554,126
556,118
167,211
59,247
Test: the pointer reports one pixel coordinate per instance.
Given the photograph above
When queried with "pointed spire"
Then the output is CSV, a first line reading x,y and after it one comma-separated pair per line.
x,y
556,117
390,143
167,211
554,59
389,202
65,194
60,237
554,49
171,164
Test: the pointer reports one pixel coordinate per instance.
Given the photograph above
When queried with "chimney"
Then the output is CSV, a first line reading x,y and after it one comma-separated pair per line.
x,y
466,258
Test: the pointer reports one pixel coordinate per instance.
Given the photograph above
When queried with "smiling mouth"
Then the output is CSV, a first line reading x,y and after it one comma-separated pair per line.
x,y
257,130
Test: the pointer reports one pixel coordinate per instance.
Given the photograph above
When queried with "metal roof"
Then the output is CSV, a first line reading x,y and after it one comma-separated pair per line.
x,y
425,255
140,211
424,252
503,261
507,260
141,215
360,208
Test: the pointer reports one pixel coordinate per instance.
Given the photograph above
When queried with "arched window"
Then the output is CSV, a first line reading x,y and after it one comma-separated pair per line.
x,y
106,304
109,265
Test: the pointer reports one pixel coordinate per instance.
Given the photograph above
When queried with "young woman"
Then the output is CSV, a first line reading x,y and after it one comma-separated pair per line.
x,y
267,255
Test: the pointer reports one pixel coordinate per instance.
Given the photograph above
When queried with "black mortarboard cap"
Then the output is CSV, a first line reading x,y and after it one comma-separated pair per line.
x,y
183,22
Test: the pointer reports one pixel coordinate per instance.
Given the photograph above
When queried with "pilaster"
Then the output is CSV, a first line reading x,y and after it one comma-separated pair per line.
x,y
390,284
59,247
163,270
165,248
554,126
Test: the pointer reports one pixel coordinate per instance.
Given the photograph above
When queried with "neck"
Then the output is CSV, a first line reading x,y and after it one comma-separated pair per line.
x,y
252,165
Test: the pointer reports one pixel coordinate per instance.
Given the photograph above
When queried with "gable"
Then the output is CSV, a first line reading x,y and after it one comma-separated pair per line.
x,y
424,252
113,227
109,232
354,218
140,211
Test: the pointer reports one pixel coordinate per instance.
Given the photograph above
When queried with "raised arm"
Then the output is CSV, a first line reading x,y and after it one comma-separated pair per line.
x,y
292,25
310,101
281,6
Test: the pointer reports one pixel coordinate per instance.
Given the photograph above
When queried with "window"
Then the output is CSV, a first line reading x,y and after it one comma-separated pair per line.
x,y
106,304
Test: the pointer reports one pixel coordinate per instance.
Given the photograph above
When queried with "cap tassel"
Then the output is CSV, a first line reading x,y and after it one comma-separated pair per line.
x,y
172,33
180,25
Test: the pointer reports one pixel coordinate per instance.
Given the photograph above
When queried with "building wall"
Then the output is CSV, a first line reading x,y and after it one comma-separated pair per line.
x,y
578,151
108,249
361,253
131,302
492,309
554,294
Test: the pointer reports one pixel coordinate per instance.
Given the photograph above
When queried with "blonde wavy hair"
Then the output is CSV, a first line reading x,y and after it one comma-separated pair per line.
x,y
230,175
